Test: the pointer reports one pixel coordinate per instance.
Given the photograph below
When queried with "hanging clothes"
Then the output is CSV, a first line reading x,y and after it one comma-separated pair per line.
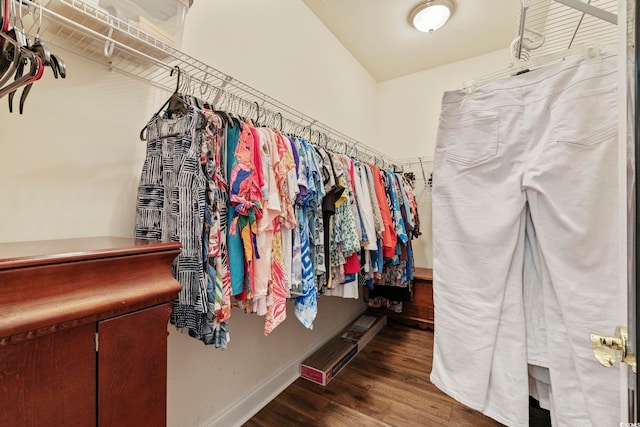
x,y
352,262
246,182
234,241
279,288
413,208
344,241
171,206
265,230
262,217
388,234
369,240
214,232
306,306
316,220
333,192
522,207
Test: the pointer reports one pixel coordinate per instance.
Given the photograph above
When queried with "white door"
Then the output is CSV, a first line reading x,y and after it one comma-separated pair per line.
x,y
617,349
628,211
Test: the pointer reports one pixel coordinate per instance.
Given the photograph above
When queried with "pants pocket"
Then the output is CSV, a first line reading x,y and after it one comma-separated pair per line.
x,y
470,139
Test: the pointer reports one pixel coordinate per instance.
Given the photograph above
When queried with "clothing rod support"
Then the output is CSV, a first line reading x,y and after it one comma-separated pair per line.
x,y
524,6
591,10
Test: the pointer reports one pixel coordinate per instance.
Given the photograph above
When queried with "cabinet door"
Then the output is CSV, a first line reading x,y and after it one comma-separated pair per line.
x,y
49,380
132,369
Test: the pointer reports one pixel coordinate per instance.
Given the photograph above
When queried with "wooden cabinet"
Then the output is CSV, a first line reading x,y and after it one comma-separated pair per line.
x,y
83,332
132,366
43,385
418,311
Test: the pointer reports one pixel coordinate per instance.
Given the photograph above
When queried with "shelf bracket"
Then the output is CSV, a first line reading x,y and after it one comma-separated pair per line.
x,y
591,10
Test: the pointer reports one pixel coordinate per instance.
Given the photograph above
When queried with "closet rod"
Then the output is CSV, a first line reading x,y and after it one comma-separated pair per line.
x,y
415,160
139,55
268,117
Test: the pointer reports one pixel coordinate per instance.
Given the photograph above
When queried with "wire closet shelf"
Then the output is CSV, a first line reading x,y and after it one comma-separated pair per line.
x,y
564,26
548,31
94,34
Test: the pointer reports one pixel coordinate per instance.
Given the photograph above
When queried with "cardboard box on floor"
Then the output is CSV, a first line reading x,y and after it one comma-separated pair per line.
x,y
329,359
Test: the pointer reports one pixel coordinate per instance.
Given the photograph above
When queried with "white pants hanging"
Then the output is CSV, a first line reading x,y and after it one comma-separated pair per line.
x,y
530,156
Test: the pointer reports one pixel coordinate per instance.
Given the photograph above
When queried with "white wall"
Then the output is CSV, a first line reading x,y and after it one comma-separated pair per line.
x,y
408,114
282,49
70,166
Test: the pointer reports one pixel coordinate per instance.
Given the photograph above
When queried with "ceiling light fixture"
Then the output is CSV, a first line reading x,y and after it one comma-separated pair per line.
x,y
431,15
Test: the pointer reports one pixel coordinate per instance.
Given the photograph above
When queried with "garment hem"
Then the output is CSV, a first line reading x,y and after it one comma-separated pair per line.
x,y
435,381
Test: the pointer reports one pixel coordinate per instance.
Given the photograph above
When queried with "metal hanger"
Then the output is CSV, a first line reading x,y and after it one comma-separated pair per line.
x,y
24,58
35,72
6,15
424,175
221,97
187,93
21,37
10,56
278,114
48,59
204,88
326,141
175,94
317,140
257,120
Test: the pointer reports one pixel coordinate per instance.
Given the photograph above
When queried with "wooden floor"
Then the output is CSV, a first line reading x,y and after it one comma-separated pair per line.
x,y
386,384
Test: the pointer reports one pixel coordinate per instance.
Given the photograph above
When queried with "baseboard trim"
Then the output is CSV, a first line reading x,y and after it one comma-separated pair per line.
x,y
238,413
243,410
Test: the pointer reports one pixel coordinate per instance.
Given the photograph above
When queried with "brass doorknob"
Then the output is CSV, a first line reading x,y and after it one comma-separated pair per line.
x,y
605,348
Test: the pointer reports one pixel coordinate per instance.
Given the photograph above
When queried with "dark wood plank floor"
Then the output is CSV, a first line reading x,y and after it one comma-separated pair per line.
x,y
386,384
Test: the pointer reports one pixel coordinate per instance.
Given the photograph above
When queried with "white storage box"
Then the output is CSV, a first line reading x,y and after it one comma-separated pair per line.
x,y
161,19
151,27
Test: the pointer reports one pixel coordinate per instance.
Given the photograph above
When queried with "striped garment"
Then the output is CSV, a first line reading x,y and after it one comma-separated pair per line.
x,y
171,207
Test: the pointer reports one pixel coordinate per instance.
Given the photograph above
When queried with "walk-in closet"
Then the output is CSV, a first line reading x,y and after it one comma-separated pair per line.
x,y
318,213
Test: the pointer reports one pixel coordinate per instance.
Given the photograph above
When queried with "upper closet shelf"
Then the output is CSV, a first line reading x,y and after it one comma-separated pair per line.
x,y
548,31
84,28
549,26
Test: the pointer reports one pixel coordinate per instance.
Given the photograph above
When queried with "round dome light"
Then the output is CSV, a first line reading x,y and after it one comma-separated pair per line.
x,y
431,15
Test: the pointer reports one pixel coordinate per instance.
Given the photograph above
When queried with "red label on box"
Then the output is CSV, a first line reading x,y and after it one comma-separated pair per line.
x,y
311,374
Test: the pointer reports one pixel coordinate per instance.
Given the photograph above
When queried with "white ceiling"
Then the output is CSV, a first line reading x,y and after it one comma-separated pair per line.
x,y
378,33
